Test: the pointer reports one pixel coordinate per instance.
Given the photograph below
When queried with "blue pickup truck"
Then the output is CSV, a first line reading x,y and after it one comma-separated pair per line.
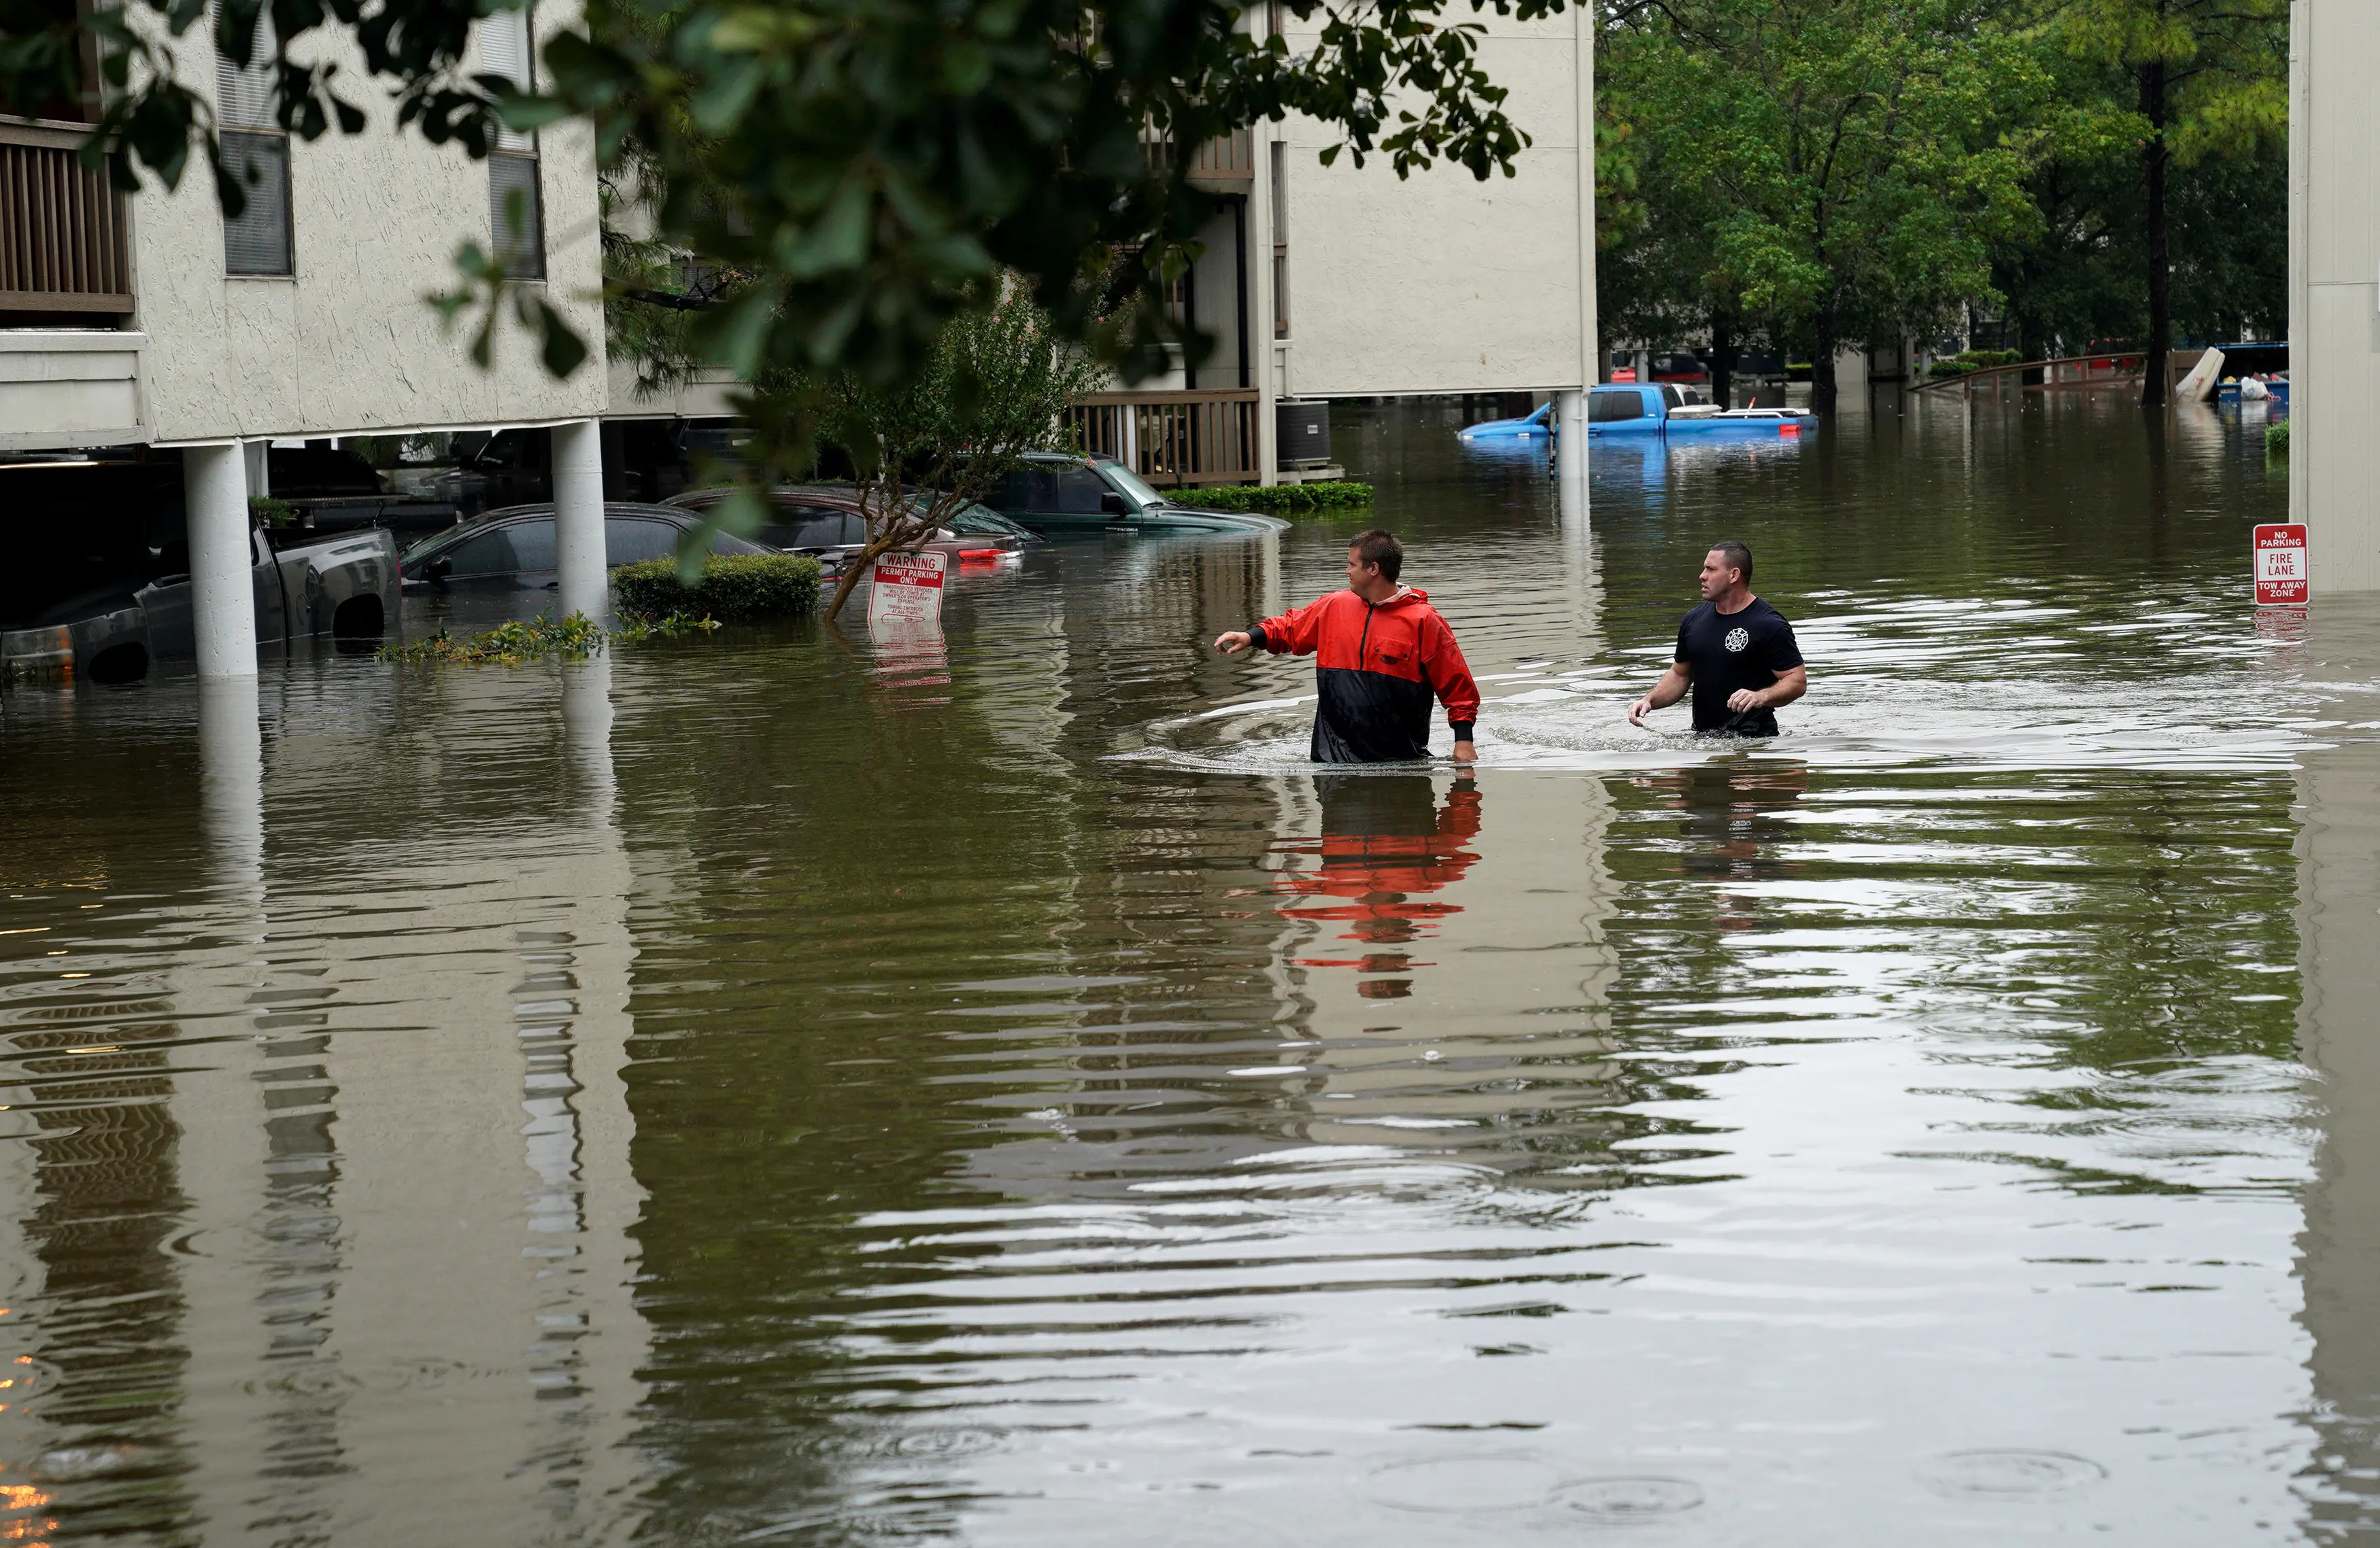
x,y
1656,408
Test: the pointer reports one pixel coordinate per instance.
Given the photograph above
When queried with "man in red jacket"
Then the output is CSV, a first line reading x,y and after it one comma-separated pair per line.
x,y
1381,650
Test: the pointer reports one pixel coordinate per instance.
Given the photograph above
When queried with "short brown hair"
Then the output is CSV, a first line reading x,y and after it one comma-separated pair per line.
x,y
1381,547
1735,556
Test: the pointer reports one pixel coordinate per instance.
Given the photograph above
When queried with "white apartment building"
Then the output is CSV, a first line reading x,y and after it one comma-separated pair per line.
x,y
154,320
1323,282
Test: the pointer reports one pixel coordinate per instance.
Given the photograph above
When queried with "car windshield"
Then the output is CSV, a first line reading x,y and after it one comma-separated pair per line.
x,y
975,520
1131,483
978,521
434,542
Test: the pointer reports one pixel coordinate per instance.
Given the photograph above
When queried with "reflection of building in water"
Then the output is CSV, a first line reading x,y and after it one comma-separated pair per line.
x,y
385,1184
1385,845
2338,956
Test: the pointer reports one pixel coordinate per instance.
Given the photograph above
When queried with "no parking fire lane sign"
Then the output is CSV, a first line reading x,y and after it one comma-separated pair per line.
x,y
2281,568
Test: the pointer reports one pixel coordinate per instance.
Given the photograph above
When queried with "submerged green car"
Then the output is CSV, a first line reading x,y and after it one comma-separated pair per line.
x,y
1054,494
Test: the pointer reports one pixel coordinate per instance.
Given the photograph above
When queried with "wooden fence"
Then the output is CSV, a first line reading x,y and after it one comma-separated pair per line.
x,y
1208,436
62,230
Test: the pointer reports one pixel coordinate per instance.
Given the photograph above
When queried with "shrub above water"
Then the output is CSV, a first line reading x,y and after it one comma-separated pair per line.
x,y
734,587
1280,500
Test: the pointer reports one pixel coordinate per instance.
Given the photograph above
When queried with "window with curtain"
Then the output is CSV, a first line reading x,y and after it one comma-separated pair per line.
x,y
515,209
257,240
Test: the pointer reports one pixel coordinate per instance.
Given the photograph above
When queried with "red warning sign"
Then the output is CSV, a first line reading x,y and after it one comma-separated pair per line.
x,y
907,589
2281,570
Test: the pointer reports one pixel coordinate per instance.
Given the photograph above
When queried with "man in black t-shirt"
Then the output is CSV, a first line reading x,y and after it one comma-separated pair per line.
x,y
1735,651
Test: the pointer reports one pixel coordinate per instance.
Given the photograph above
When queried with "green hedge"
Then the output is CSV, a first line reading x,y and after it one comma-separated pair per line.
x,y
1970,360
1279,500
731,589
2277,440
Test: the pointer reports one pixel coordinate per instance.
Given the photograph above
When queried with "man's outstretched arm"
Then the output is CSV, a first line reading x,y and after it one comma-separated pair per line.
x,y
1292,634
1666,692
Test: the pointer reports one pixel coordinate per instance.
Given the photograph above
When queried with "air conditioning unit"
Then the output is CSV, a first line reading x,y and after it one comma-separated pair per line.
x,y
1304,432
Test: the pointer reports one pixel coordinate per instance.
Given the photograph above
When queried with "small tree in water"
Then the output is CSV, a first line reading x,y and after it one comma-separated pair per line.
x,y
995,386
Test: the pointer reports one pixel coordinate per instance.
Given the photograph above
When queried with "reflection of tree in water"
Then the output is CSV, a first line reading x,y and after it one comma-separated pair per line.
x,y
1384,841
1729,809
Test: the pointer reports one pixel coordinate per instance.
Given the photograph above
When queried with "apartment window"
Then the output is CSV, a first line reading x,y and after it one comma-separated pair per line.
x,y
258,239
1280,240
516,202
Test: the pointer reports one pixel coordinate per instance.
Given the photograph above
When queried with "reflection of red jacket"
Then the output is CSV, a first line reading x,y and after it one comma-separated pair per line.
x,y
1376,666
1376,872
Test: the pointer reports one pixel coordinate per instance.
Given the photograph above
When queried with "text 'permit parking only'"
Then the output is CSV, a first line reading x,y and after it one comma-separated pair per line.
x,y
907,589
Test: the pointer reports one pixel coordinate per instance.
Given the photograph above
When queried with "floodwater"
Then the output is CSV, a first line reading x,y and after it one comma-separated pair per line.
x,y
789,1088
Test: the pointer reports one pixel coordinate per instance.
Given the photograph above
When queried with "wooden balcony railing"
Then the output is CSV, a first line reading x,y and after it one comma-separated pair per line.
x,y
1208,436
62,247
1226,163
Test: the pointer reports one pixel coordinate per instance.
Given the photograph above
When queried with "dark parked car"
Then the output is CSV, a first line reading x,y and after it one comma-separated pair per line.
x,y
1056,491
825,521
97,582
513,550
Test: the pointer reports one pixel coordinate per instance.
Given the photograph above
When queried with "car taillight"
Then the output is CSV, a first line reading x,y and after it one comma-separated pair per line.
x,y
977,554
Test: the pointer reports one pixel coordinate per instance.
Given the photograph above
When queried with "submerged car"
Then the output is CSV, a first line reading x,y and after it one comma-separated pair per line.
x,y
826,521
513,550
1664,411
1660,408
97,581
1056,492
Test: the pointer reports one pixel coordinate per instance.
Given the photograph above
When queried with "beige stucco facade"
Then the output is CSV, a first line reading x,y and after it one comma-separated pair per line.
x,y
348,344
1441,283
2334,290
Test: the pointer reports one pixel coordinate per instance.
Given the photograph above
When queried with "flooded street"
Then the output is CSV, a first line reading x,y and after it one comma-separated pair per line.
x,y
769,1088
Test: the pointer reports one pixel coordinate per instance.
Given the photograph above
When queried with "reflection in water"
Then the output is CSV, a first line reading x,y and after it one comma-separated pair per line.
x,y
2338,958
1385,843
1730,829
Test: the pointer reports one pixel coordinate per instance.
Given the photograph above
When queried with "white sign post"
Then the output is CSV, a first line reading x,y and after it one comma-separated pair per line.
x,y
2283,575
906,591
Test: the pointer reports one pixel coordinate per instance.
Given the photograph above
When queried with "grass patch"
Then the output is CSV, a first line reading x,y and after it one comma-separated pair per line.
x,y
1280,500
733,587
571,639
2277,440
568,639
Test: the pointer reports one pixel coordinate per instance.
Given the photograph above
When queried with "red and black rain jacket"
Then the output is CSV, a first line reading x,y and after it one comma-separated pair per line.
x,y
1377,665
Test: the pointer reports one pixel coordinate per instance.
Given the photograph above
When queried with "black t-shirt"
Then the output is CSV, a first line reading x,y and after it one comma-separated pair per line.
x,y
1729,650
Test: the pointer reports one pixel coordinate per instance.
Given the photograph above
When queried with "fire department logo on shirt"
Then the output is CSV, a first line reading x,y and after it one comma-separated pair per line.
x,y
1738,638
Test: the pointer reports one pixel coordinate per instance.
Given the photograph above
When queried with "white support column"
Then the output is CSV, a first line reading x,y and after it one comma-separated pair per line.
x,y
1590,348
585,579
1262,351
1570,450
223,564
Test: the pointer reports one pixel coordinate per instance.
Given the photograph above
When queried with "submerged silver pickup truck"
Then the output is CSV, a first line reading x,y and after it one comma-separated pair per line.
x,y
101,588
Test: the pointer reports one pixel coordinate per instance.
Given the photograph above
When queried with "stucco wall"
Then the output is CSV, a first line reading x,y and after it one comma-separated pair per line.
x,y
1441,283
348,345
2335,289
